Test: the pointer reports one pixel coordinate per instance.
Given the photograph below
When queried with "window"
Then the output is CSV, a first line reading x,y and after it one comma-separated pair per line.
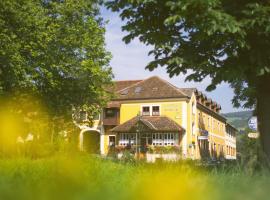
x,y
193,128
204,119
204,144
111,141
125,92
138,90
164,139
155,111
109,112
146,111
193,108
200,118
126,139
222,149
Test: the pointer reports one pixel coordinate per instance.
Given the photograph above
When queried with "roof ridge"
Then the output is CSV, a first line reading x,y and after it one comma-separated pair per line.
x,y
135,84
131,85
145,120
171,85
188,88
128,80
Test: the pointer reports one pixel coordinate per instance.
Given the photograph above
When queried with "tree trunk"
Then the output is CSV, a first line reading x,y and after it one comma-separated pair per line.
x,y
263,112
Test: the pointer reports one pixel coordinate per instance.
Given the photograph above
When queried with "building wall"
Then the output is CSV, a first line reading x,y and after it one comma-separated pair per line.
x,y
216,131
171,109
192,148
176,110
230,142
190,117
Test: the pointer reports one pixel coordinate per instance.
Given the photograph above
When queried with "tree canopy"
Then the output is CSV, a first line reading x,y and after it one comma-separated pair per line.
x,y
225,40
55,51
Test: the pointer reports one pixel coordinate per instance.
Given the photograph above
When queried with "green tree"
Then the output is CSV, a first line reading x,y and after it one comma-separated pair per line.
x,y
55,51
225,40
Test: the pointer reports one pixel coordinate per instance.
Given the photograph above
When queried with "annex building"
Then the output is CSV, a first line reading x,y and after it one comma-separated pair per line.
x,y
155,119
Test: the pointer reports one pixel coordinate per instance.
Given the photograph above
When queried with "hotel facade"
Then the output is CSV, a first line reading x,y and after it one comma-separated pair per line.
x,y
157,120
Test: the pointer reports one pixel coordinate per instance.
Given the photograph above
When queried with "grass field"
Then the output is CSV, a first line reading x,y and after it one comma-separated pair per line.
x,y
81,176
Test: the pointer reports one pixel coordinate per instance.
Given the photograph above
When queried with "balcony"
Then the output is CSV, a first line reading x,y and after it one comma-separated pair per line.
x,y
111,117
111,121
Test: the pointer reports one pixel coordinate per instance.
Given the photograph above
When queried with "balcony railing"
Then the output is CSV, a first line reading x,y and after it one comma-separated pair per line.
x,y
111,121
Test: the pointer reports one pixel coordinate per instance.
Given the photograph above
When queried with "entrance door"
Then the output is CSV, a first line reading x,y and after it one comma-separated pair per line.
x,y
143,144
111,141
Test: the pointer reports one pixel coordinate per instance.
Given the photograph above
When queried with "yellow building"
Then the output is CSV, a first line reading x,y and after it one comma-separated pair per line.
x,y
156,119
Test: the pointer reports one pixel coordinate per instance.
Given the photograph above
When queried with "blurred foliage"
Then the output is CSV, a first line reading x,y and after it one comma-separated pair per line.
x,y
80,176
250,155
27,129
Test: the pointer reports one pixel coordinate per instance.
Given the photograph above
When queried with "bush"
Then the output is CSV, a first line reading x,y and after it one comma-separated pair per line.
x,y
128,157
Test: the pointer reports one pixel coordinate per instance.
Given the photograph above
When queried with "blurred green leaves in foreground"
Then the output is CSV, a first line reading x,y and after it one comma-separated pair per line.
x,y
80,176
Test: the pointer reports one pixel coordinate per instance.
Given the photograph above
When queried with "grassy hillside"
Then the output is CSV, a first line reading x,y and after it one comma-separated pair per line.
x,y
238,119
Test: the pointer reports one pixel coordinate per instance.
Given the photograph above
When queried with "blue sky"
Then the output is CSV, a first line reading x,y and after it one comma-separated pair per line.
x,y
129,62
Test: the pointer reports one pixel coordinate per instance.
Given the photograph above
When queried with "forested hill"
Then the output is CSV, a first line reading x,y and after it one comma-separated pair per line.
x,y
238,119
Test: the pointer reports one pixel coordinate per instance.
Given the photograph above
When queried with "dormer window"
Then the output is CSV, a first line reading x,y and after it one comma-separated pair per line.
x,y
124,92
145,110
155,111
138,90
155,89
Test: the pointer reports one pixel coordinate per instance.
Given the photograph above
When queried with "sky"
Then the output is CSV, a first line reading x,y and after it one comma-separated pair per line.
x,y
129,61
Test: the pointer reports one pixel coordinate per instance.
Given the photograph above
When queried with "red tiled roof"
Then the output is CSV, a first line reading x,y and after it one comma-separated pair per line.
x,y
120,85
151,88
150,124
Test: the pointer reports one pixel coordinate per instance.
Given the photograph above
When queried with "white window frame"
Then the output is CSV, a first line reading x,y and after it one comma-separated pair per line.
x,y
158,110
150,109
115,142
164,139
126,139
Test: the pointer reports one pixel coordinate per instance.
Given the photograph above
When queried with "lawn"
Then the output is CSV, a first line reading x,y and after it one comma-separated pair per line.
x,y
80,176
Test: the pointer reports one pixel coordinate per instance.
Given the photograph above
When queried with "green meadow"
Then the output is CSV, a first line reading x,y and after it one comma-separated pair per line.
x,y
80,176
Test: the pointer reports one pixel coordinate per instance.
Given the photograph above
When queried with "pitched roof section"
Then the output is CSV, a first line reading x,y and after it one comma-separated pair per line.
x,y
149,124
188,91
151,88
157,88
120,85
